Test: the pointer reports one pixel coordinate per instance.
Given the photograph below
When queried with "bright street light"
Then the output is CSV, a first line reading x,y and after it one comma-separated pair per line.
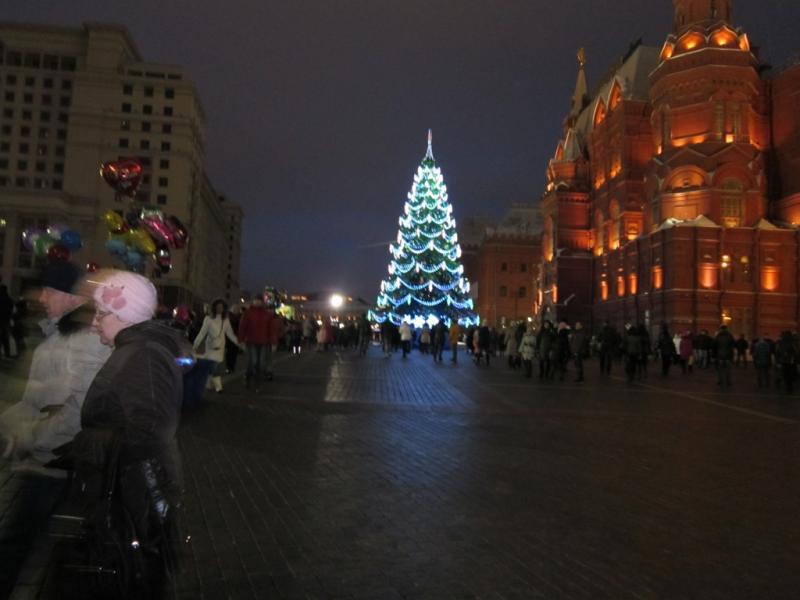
x,y
336,301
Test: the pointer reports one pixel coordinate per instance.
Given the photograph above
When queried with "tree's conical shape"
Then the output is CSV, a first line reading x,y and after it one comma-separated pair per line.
x,y
426,280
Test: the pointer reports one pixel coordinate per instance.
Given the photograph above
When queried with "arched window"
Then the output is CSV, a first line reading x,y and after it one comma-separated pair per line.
x,y
600,112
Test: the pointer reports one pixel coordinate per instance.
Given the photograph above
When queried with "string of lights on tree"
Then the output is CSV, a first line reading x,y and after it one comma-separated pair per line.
x,y
426,280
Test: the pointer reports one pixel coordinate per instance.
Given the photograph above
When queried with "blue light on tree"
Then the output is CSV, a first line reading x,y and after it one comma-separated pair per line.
x,y
426,280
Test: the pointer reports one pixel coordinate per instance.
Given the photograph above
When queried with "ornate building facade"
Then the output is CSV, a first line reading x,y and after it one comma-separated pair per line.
x,y
675,193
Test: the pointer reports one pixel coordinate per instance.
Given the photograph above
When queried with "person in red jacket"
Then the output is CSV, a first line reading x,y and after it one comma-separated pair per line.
x,y
259,332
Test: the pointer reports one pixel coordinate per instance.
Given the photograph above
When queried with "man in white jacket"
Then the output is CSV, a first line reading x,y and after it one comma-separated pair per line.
x,y
62,369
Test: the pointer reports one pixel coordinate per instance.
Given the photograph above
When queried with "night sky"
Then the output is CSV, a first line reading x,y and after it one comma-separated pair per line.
x,y
318,110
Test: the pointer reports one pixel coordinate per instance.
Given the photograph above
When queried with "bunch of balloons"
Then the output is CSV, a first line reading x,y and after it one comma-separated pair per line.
x,y
147,232
141,233
57,242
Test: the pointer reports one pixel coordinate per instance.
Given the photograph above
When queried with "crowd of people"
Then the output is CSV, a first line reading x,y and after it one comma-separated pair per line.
x,y
107,383
555,349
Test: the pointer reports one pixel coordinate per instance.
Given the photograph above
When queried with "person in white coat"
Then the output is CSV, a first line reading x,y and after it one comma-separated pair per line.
x,y
216,327
63,367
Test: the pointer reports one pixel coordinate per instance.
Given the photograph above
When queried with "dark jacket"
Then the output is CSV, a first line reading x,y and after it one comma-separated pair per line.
x,y
762,353
135,402
724,344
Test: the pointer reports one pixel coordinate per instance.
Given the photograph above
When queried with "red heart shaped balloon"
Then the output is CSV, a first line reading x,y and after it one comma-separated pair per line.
x,y
122,175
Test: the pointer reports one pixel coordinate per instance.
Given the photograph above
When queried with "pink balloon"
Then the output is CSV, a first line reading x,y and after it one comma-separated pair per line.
x,y
158,229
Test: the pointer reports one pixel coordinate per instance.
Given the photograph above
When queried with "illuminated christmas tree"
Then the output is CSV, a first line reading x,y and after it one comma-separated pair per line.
x,y
426,280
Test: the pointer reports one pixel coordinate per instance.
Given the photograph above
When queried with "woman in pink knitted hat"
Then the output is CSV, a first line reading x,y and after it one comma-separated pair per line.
x,y
128,425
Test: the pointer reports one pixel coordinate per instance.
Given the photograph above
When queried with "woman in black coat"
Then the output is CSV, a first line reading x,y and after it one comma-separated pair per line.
x,y
126,455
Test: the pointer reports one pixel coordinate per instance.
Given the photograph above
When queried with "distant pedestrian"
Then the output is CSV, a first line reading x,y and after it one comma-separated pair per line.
x,y
512,352
724,344
631,347
545,348
562,350
259,333
742,346
579,349
454,334
686,353
527,350
425,339
406,336
607,343
666,349
210,341
483,347
761,352
438,337
786,356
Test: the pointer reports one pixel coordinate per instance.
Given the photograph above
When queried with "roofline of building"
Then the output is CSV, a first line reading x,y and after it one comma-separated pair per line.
x,y
83,28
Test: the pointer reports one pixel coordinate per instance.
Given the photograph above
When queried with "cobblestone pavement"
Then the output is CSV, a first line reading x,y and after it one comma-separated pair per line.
x,y
351,477
366,477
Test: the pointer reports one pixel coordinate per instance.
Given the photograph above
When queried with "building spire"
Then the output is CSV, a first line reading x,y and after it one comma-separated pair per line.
x,y
429,153
581,88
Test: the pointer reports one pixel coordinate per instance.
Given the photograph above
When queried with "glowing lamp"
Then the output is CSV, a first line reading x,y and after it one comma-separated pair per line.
x,y
336,301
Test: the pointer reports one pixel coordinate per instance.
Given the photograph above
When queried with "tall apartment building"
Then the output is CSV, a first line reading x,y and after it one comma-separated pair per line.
x,y
72,98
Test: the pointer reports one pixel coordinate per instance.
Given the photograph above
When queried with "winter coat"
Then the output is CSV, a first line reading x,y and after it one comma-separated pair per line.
x,y
129,419
61,371
632,342
425,336
527,347
665,344
785,351
137,397
685,348
762,353
544,342
578,345
455,333
405,332
511,345
258,327
724,344
484,338
213,334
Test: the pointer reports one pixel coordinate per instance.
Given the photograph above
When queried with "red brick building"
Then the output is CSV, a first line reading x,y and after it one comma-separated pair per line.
x,y
675,193
508,263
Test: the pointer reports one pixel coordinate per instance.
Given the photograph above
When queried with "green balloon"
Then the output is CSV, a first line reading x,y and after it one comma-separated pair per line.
x,y
43,244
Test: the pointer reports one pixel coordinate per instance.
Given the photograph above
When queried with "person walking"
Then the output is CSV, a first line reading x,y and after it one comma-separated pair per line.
x,y
631,345
545,348
666,349
439,335
562,350
512,350
786,355
579,349
387,333
454,335
62,369
702,346
527,350
742,346
425,339
210,341
257,331
762,360
607,341
406,336
724,344
686,353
